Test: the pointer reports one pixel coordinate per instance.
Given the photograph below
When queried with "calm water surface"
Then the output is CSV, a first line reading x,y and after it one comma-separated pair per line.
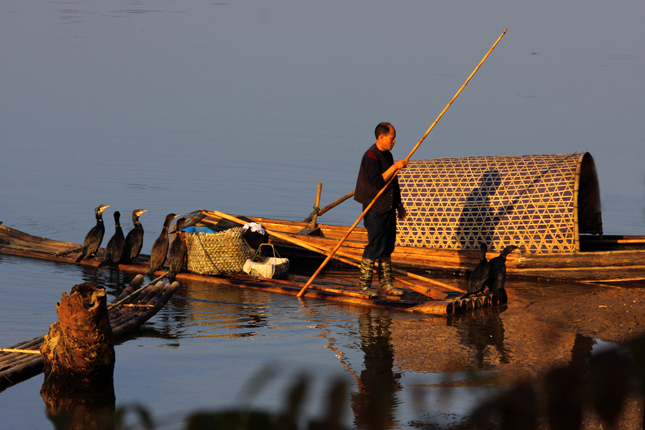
x,y
244,107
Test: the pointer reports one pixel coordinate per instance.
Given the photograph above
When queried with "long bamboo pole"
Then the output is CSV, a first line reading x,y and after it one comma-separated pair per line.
x,y
329,257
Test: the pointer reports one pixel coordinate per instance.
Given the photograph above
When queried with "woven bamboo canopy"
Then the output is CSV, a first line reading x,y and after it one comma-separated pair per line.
x,y
541,203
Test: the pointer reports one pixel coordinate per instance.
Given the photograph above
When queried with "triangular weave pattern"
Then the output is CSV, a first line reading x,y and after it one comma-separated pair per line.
x,y
457,203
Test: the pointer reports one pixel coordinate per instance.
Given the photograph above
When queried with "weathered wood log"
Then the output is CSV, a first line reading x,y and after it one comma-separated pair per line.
x,y
16,367
79,346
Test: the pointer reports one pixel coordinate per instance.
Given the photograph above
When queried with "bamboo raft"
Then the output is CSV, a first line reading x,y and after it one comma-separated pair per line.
x,y
127,312
609,259
547,205
438,298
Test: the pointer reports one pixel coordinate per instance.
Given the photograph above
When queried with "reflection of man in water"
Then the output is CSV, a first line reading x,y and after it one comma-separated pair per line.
x,y
374,403
478,219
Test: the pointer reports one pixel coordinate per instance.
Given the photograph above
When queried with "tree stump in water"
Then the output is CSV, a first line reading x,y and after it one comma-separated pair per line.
x,y
79,347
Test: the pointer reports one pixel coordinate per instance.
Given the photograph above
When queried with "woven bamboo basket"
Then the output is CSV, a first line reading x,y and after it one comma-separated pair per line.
x,y
220,253
541,203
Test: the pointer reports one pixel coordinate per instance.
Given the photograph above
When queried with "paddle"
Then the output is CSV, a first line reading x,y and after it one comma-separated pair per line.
x,y
329,257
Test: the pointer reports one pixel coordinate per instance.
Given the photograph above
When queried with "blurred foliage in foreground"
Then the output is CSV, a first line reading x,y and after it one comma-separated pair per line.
x,y
563,399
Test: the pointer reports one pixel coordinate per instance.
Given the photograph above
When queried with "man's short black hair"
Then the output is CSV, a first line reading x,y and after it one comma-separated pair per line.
x,y
382,128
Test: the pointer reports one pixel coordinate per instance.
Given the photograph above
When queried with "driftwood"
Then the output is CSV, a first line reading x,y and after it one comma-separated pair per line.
x,y
79,346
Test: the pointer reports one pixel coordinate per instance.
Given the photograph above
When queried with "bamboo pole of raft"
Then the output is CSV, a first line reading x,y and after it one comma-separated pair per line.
x,y
348,260
324,263
134,293
22,351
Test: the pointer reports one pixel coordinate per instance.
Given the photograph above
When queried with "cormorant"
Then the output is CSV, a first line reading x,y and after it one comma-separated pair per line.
x,y
94,237
497,275
177,251
134,239
114,248
479,275
160,247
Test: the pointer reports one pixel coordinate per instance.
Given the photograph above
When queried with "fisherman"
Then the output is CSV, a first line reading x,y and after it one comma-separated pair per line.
x,y
377,167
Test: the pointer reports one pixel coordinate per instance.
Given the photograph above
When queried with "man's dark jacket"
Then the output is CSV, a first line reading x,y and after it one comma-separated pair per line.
x,y
370,181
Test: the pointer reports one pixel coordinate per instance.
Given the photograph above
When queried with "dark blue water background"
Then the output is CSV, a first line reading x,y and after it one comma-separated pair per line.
x,y
244,107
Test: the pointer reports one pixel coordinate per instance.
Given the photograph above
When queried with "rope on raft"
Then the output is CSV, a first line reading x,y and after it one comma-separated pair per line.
x,y
315,212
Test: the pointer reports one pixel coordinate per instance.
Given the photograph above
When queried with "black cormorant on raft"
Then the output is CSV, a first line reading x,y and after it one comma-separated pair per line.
x,y
94,237
114,248
134,239
497,275
177,252
160,247
480,273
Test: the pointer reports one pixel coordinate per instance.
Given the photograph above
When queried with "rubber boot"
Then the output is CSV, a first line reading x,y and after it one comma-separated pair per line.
x,y
385,276
365,287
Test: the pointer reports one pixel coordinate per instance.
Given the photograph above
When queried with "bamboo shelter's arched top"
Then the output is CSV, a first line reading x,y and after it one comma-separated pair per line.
x,y
541,203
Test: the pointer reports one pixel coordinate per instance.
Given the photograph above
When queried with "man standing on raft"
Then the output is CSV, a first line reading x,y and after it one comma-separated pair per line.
x,y
377,167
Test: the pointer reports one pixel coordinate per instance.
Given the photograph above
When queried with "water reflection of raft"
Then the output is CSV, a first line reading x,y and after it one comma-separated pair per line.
x,y
127,312
547,205
14,242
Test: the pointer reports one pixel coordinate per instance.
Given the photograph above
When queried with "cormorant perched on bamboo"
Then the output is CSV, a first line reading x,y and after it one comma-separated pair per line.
x,y
160,247
114,248
177,251
94,237
497,275
134,239
479,275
